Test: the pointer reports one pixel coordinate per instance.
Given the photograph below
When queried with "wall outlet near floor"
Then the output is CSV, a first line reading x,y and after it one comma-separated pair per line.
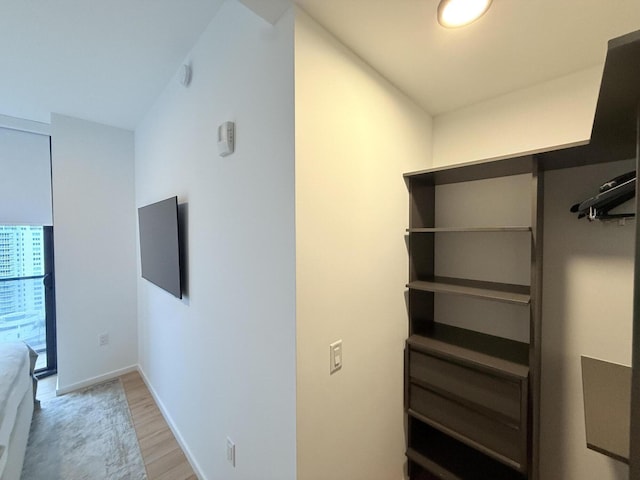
x,y
231,452
104,339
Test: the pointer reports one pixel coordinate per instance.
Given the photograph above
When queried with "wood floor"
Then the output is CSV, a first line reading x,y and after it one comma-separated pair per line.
x,y
163,458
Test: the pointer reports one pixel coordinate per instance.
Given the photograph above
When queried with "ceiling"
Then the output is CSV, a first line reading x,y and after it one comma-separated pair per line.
x,y
102,61
516,44
108,61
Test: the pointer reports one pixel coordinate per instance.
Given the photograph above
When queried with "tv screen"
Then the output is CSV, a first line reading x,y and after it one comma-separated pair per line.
x,y
160,245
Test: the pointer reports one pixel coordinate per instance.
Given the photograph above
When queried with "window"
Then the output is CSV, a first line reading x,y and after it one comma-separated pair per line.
x,y
27,306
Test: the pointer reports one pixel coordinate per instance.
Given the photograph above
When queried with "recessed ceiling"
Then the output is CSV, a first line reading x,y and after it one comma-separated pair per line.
x,y
516,44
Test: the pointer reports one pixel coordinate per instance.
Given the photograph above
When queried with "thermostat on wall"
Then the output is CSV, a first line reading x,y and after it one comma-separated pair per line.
x,y
226,138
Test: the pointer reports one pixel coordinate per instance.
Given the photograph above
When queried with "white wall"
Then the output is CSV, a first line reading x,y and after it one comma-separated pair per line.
x,y
588,267
355,136
94,236
553,113
221,362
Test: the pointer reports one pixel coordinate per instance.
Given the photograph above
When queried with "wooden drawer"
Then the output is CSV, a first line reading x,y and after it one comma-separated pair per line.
x,y
498,393
489,434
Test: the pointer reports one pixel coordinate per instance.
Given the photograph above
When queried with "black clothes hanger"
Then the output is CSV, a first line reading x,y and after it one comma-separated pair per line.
x,y
611,194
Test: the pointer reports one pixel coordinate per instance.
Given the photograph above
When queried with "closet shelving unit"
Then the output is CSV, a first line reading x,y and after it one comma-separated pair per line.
x,y
474,393
473,400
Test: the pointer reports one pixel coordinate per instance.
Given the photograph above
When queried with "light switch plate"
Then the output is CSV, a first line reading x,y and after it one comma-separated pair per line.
x,y
335,356
231,452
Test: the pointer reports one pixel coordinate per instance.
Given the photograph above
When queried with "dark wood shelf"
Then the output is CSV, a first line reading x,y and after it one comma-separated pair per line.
x,y
503,356
462,440
499,292
469,229
444,457
494,415
432,466
477,170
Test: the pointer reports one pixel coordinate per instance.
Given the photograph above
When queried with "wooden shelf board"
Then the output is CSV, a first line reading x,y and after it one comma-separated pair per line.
x,y
442,454
500,292
431,466
468,229
462,439
608,453
476,170
494,415
496,355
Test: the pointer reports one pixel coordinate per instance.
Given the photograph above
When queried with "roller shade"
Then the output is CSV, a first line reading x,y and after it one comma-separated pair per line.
x,y
25,178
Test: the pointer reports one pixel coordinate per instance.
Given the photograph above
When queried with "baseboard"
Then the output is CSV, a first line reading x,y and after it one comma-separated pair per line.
x,y
176,433
94,380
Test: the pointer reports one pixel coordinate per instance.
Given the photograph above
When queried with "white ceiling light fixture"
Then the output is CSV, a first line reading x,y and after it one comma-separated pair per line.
x,y
458,13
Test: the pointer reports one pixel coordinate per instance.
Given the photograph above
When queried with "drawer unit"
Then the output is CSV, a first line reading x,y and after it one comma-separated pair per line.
x,y
477,403
494,392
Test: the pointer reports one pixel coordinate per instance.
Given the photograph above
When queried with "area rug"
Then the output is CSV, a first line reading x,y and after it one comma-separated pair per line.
x,y
86,435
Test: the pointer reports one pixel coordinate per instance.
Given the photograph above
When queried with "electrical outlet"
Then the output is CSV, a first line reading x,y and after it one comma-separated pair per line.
x,y
231,452
104,339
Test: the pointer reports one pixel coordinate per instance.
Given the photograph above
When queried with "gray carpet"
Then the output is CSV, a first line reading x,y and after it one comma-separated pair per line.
x,y
86,435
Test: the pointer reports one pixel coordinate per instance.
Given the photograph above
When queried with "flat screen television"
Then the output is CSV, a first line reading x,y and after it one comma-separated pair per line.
x,y
160,245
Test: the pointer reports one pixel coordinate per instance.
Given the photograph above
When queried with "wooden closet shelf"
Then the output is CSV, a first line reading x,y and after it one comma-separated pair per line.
x,y
500,292
501,356
445,457
469,229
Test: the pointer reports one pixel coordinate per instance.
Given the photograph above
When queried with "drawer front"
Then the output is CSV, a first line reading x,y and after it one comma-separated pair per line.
x,y
482,430
495,393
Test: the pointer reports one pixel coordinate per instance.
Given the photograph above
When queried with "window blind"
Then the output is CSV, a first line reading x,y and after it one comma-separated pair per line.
x,y
25,178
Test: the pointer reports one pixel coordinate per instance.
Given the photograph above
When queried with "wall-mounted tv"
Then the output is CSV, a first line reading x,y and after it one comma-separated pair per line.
x,y
160,245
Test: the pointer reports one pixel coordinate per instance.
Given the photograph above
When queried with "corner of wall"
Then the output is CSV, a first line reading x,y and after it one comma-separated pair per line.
x,y
271,11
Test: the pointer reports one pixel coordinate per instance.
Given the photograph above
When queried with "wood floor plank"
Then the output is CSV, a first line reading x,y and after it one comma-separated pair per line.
x,y
165,463
143,411
162,448
149,442
161,453
47,388
147,416
150,427
181,471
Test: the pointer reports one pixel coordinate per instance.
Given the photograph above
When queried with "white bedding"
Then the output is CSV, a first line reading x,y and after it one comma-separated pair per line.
x,y
16,407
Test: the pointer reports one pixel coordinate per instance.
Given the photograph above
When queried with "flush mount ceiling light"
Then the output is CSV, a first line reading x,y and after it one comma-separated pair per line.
x,y
458,13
